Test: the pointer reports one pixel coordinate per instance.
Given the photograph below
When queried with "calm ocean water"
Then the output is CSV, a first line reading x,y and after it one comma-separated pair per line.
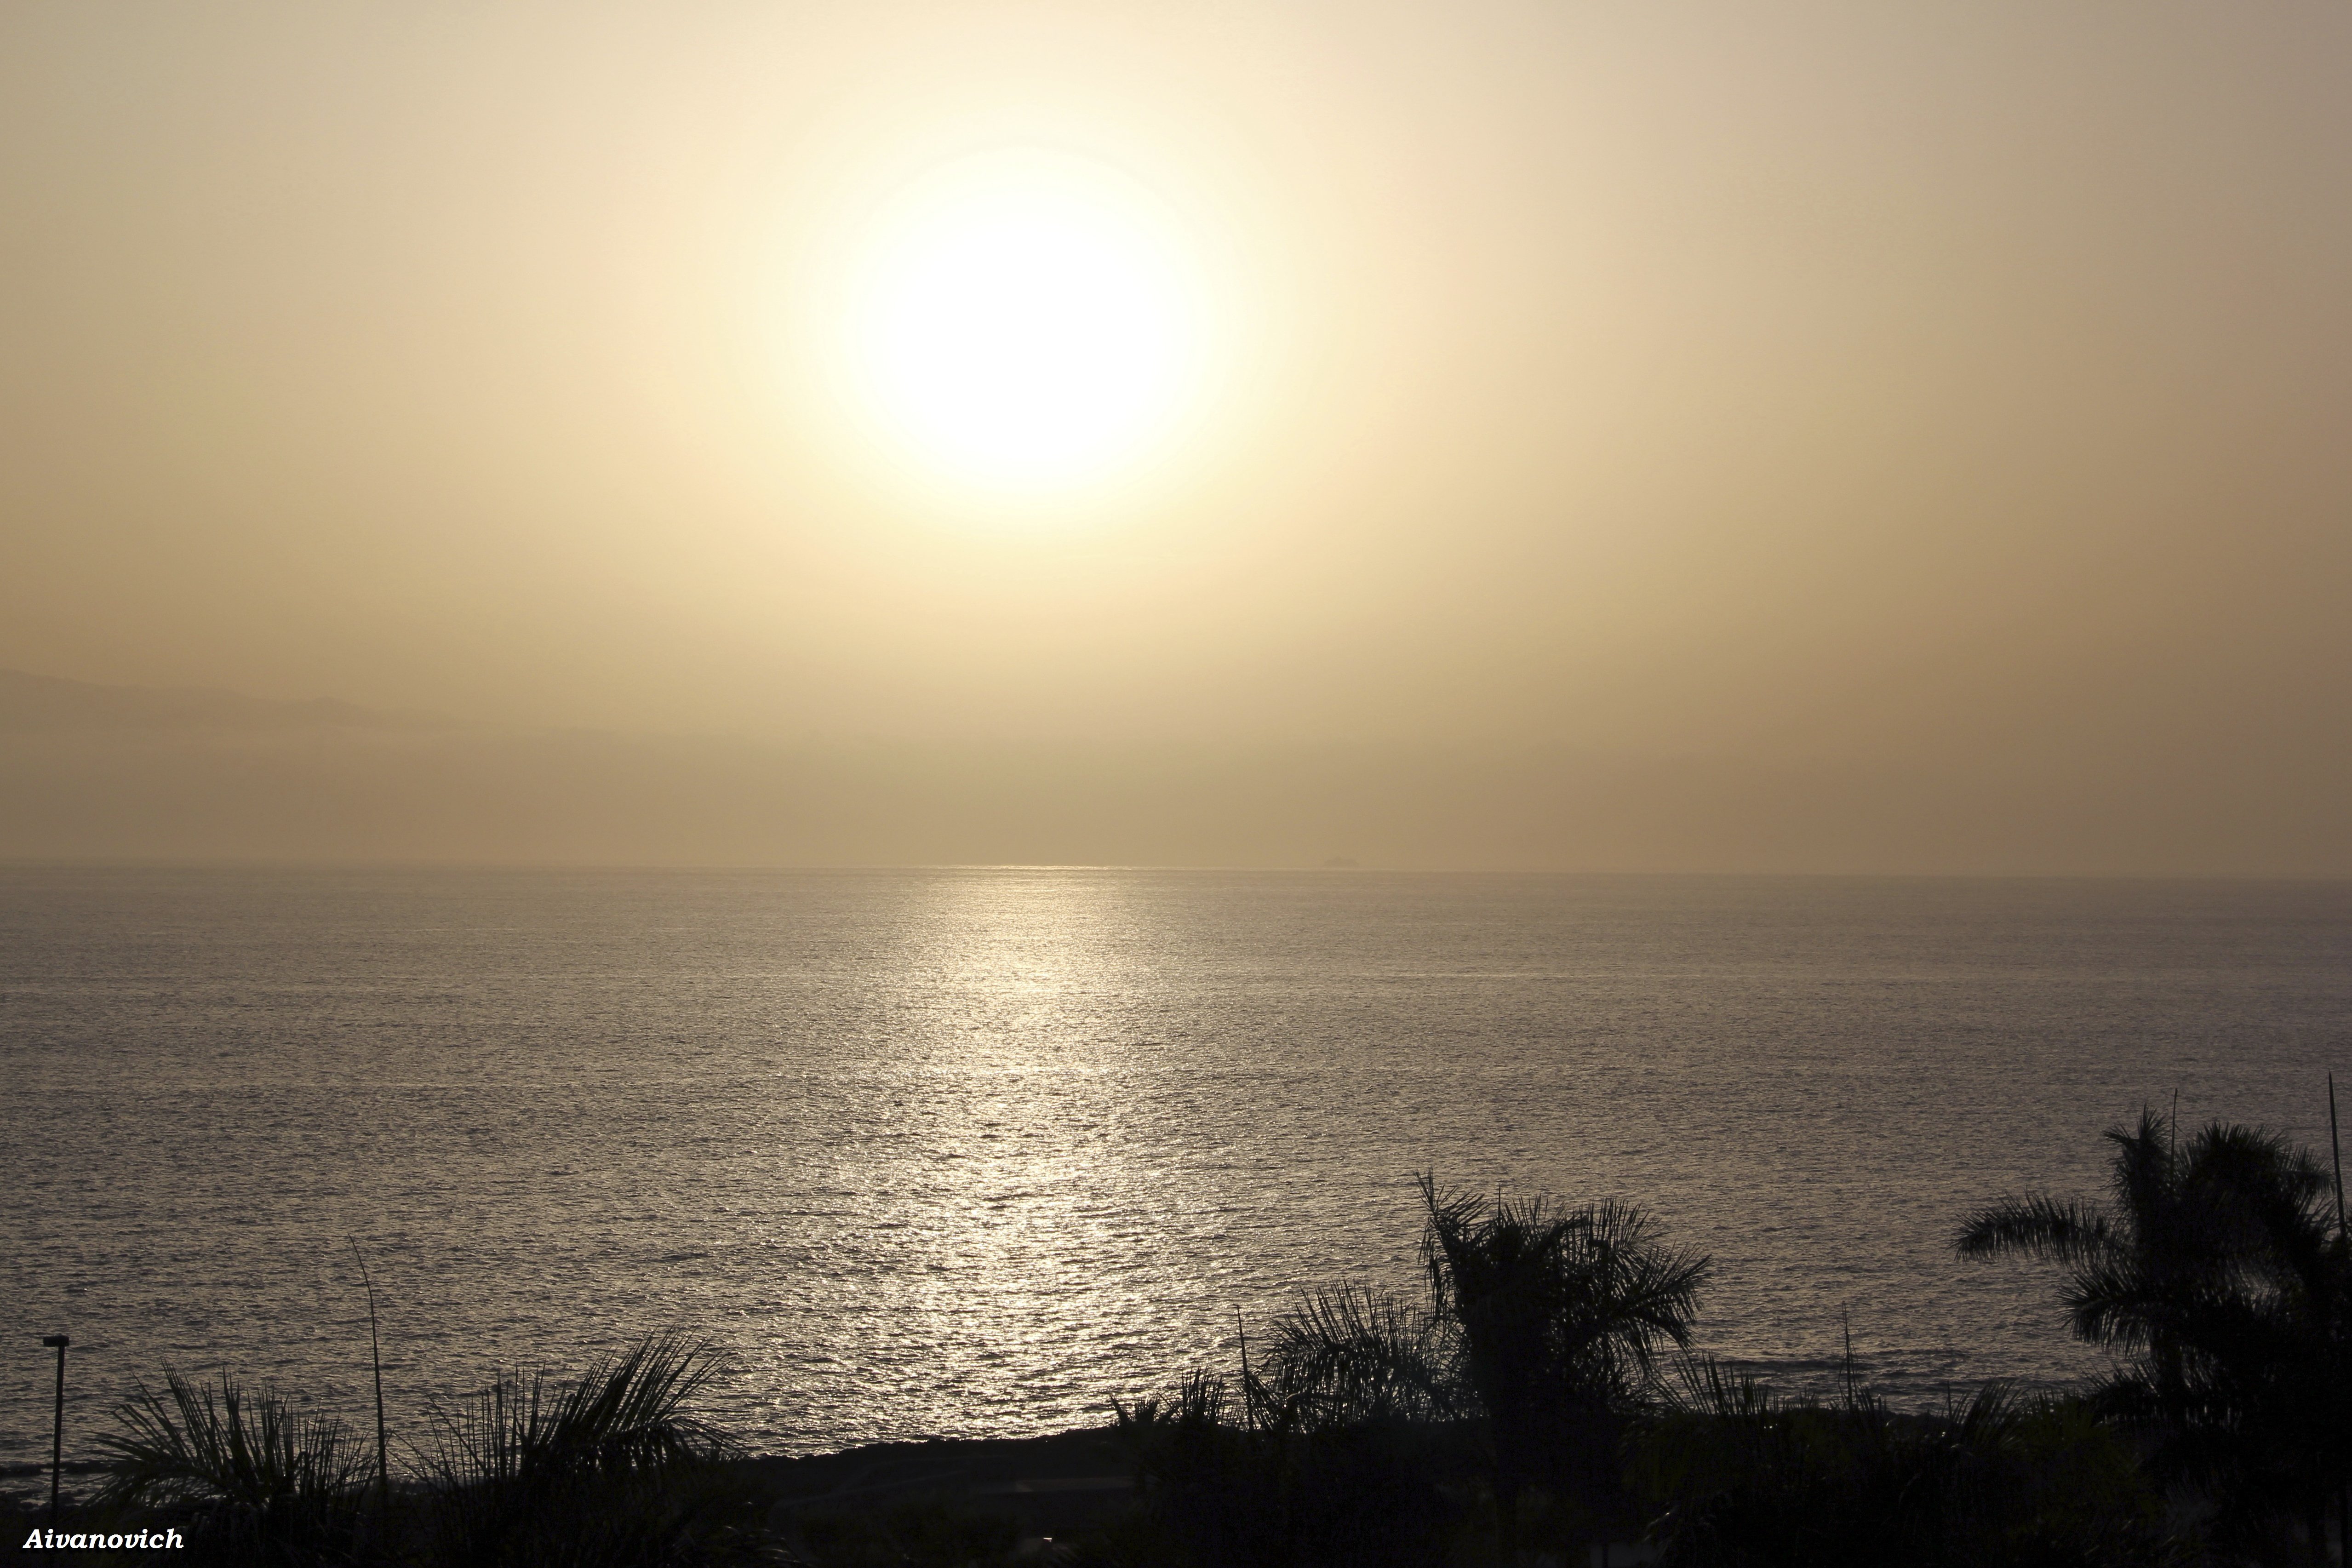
x,y
971,1151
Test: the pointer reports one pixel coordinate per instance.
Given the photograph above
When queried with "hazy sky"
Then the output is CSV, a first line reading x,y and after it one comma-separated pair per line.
x,y
1929,387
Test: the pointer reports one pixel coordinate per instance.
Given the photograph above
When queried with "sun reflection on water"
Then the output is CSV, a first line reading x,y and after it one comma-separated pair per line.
x,y
967,1152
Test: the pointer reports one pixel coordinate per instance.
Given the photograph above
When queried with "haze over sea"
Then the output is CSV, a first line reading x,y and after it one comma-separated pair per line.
x,y
967,1152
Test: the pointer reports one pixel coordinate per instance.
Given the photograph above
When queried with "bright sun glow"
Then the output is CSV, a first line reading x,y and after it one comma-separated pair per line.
x,y
1028,321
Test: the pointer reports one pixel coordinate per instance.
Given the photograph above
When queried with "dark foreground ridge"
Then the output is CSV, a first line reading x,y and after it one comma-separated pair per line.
x,y
1538,1404
1044,1490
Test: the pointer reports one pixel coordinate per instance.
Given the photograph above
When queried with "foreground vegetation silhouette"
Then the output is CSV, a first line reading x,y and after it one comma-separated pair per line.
x,y
1535,1405
1535,1402
2219,1273
610,1468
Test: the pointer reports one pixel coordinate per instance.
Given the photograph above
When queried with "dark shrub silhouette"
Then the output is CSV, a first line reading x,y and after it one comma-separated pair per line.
x,y
611,1468
248,1479
1224,1487
1751,1481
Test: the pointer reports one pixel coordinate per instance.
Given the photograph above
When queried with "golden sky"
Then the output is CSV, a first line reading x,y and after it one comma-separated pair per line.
x,y
1955,390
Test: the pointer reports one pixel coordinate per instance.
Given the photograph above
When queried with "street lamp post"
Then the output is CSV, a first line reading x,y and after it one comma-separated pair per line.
x,y
58,1428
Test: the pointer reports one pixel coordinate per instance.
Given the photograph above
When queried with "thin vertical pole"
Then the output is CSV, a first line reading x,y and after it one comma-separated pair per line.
x,y
2336,1150
58,1428
2336,1147
375,1357
1249,1406
2343,1492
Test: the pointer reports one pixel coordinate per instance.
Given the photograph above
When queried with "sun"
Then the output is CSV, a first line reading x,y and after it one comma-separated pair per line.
x,y
1027,320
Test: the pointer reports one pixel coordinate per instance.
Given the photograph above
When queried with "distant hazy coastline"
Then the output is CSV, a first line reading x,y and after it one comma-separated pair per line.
x,y
129,774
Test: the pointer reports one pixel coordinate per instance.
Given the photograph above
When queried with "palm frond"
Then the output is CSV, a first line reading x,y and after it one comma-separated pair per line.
x,y
1351,1355
2039,1226
627,1412
256,1480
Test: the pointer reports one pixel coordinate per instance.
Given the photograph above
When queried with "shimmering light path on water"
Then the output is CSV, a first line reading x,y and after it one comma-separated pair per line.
x,y
964,1152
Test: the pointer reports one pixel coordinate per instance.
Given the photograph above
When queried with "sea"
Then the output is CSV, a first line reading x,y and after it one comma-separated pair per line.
x,y
977,1152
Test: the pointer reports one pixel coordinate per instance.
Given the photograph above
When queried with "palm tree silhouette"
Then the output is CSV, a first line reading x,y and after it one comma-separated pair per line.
x,y
1563,1314
2221,1275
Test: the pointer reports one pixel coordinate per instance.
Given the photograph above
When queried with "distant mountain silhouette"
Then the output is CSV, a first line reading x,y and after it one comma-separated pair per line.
x,y
38,702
